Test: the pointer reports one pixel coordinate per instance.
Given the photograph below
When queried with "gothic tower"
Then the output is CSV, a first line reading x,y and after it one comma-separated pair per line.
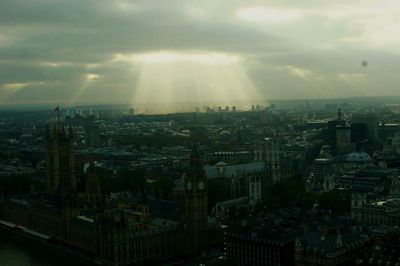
x,y
394,191
94,196
268,151
60,160
196,203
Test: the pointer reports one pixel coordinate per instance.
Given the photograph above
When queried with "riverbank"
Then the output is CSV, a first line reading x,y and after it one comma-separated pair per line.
x,y
25,249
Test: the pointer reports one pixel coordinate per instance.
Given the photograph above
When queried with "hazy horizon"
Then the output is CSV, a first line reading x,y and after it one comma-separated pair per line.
x,y
167,52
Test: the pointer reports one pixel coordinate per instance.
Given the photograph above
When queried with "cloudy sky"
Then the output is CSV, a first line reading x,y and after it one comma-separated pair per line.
x,y
163,51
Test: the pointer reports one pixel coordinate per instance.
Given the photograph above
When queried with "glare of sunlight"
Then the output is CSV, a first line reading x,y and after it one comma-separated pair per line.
x,y
313,80
168,78
4,39
125,6
264,14
91,76
87,80
55,64
168,57
356,81
9,89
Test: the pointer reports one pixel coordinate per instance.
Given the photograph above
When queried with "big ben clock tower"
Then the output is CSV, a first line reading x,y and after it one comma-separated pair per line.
x,y
196,203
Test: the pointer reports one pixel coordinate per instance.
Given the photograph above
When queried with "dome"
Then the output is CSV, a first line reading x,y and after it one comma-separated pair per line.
x,y
358,157
221,163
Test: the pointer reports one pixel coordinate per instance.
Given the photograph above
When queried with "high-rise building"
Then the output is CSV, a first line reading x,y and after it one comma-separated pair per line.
x,y
332,125
92,135
358,132
343,139
372,123
196,202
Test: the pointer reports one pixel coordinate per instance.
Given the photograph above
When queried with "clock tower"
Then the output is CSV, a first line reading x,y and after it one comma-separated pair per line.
x,y
196,203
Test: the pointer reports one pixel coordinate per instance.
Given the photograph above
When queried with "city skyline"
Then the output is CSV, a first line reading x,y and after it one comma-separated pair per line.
x,y
192,133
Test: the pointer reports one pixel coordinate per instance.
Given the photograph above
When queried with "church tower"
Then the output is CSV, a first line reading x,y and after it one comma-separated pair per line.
x,y
60,160
196,203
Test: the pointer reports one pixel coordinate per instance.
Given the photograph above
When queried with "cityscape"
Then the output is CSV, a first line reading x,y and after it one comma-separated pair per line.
x,y
308,183
199,133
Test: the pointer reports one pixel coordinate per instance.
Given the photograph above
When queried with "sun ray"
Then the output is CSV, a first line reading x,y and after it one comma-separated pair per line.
x,y
168,78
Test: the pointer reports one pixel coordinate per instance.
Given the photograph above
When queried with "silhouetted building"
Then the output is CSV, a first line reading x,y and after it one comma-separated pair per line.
x,y
358,132
388,130
196,202
343,139
383,211
60,160
268,151
255,246
327,248
372,123
332,126
92,135
113,235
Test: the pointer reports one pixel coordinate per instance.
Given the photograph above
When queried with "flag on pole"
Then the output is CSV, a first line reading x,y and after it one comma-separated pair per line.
x,y
57,109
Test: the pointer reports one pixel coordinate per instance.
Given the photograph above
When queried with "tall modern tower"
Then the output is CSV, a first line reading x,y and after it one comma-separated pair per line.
x,y
60,160
196,203
372,124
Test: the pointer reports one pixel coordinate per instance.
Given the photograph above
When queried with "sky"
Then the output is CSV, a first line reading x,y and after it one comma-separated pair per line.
x,y
158,51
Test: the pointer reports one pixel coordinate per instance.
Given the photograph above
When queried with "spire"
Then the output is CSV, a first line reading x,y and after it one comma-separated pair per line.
x,y
195,159
70,132
92,167
57,109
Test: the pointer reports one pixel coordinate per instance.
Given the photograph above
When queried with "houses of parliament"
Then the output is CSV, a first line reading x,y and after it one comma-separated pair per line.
x,y
84,223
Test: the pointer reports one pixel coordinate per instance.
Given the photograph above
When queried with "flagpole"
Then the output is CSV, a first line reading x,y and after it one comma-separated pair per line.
x,y
58,113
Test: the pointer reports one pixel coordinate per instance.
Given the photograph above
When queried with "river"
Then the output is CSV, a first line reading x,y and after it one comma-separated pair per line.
x,y
15,251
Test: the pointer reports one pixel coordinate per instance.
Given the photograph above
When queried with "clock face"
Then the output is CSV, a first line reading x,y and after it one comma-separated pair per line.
x,y
201,185
189,186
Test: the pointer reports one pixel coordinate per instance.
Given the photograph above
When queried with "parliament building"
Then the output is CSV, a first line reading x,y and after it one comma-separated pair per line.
x,y
83,224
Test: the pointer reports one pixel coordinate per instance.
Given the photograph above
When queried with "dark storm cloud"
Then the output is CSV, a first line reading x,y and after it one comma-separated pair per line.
x,y
87,31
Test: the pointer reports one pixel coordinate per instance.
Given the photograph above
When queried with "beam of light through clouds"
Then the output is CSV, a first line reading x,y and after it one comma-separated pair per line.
x,y
264,14
154,51
190,77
